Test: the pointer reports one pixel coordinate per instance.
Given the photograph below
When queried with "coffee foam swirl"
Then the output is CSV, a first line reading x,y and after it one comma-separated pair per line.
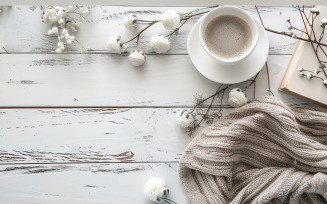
x,y
228,37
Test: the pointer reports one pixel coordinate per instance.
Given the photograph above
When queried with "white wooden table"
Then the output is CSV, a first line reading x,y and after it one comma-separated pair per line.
x,y
91,128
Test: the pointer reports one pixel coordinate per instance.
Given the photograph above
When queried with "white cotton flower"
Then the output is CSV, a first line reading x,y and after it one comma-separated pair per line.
x,y
19,7
325,82
184,120
130,21
137,57
309,75
237,98
302,74
61,21
316,71
32,7
58,50
67,36
170,19
314,10
116,44
159,44
323,21
155,189
301,70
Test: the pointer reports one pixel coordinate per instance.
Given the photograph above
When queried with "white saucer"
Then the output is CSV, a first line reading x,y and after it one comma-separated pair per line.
x,y
227,74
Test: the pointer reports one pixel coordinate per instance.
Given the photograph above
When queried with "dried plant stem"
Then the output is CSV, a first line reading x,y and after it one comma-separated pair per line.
x,y
154,22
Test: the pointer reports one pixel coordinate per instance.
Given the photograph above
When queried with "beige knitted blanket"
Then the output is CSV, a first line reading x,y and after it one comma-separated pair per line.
x,y
263,152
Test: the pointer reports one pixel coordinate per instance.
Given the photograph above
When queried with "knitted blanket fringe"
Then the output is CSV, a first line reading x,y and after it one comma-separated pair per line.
x,y
263,152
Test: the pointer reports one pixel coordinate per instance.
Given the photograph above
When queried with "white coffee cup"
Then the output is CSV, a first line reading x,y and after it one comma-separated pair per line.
x,y
229,10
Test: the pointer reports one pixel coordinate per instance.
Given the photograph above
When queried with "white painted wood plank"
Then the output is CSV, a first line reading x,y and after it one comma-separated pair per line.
x,y
85,183
81,80
23,31
91,135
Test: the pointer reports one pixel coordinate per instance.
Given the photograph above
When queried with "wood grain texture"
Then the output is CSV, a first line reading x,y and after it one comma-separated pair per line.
x,y
85,183
23,30
91,135
82,80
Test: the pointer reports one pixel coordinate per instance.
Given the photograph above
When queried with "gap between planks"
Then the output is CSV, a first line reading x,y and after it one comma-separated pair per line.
x,y
82,107
104,52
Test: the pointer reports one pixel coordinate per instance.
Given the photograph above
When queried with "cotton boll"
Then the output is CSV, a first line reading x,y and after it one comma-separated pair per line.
x,y
184,120
155,189
159,44
115,44
237,98
130,21
137,58
170,19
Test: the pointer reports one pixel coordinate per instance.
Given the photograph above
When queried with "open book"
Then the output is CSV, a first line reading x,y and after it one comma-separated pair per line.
x,y
304,56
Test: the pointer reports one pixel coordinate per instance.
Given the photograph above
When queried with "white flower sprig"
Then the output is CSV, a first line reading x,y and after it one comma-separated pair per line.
x,y
155,190
64,22
159,43
310,74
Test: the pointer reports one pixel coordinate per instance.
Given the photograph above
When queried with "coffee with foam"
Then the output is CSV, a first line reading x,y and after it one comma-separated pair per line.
x,y
228,37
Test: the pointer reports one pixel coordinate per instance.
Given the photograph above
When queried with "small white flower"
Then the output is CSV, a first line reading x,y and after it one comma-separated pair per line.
x,y
55,30
70,7
75,24
61,37
67,36
116,45
155,189
301,69
309,75
92,20
58,50
323,21
86,11
170,19
325,82
184,120
61,45
50,32
136,57
32,7
61,21
302,74
73,29
19,7
64,31
69,41
316,71
159,44
130,21
314,10
237,98
72,38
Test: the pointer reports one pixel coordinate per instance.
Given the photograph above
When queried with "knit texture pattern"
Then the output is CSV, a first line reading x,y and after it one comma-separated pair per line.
x,y
263,152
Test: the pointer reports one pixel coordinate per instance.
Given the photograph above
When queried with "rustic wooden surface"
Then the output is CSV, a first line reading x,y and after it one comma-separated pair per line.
x,y
99,128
